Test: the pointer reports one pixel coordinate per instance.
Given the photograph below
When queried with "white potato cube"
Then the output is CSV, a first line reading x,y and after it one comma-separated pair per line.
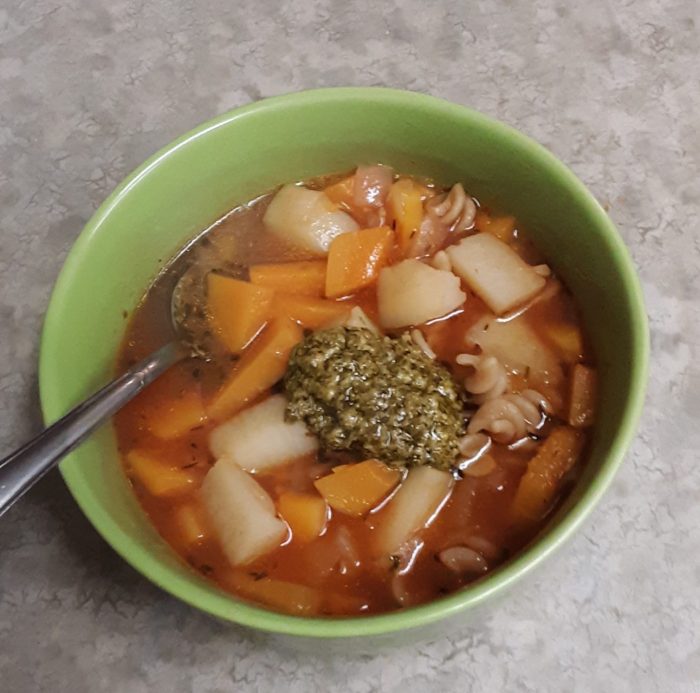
x,y
494,272
412,508
259,438
411,293
516,345
306,218
241,512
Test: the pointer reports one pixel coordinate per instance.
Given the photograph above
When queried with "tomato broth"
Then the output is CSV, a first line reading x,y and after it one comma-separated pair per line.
x,y
164,434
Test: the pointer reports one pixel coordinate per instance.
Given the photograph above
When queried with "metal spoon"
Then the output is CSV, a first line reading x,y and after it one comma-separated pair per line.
x,y
20,470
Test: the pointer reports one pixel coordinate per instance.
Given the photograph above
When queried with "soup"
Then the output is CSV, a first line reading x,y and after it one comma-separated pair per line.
x,y
397,394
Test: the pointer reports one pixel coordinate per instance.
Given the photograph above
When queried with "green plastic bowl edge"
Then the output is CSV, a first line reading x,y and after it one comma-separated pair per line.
x,y
262,619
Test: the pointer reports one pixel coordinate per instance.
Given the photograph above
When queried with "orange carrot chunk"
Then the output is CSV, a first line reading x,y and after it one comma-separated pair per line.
x,y
355,259
307,278
584,389
357,488
305,513
260,367
237,310
310,312
541,482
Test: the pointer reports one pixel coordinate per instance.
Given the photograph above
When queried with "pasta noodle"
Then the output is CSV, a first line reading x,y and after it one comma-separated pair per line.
x,y
510,417
474,444
456,209
453,211
489,378
543,270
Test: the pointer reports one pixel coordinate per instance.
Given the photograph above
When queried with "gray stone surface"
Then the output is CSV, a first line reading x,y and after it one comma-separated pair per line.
x,y
89,89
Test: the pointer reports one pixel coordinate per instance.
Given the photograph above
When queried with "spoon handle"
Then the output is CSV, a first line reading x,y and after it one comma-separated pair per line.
x,y
20,470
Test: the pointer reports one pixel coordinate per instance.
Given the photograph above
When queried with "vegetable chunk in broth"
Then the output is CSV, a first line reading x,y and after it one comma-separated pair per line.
x,y
398,393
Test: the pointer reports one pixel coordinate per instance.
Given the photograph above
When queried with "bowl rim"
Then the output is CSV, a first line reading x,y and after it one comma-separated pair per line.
x,y
222,605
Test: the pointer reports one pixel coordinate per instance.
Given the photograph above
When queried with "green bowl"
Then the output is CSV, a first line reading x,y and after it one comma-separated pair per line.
x,y
248,151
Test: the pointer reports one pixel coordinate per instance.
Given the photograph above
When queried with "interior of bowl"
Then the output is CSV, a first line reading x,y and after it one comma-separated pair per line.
x,y
249,151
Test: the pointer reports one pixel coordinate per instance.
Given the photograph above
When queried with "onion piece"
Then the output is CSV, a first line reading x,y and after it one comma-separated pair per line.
x,y
371,185
348,552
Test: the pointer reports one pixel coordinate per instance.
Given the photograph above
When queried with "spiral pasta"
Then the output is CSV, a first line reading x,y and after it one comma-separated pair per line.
x,y
455,209
473,445
488,379
509,417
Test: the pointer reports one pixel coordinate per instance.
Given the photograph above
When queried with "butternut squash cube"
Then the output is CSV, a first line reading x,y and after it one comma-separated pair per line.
x,y
354,489
159,477
307,278
175,416
343,192
192,523
355,258
310,312
404,205
306,514
262,365
237,310
567,340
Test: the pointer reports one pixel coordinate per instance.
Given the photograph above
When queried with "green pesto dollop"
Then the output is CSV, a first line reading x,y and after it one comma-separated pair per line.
x,y
375,396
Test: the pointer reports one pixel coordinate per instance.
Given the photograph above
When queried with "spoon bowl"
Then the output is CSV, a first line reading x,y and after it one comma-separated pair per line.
x,y
20,470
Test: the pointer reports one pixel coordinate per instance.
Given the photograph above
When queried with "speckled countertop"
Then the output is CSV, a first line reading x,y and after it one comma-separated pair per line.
x,y
89,89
